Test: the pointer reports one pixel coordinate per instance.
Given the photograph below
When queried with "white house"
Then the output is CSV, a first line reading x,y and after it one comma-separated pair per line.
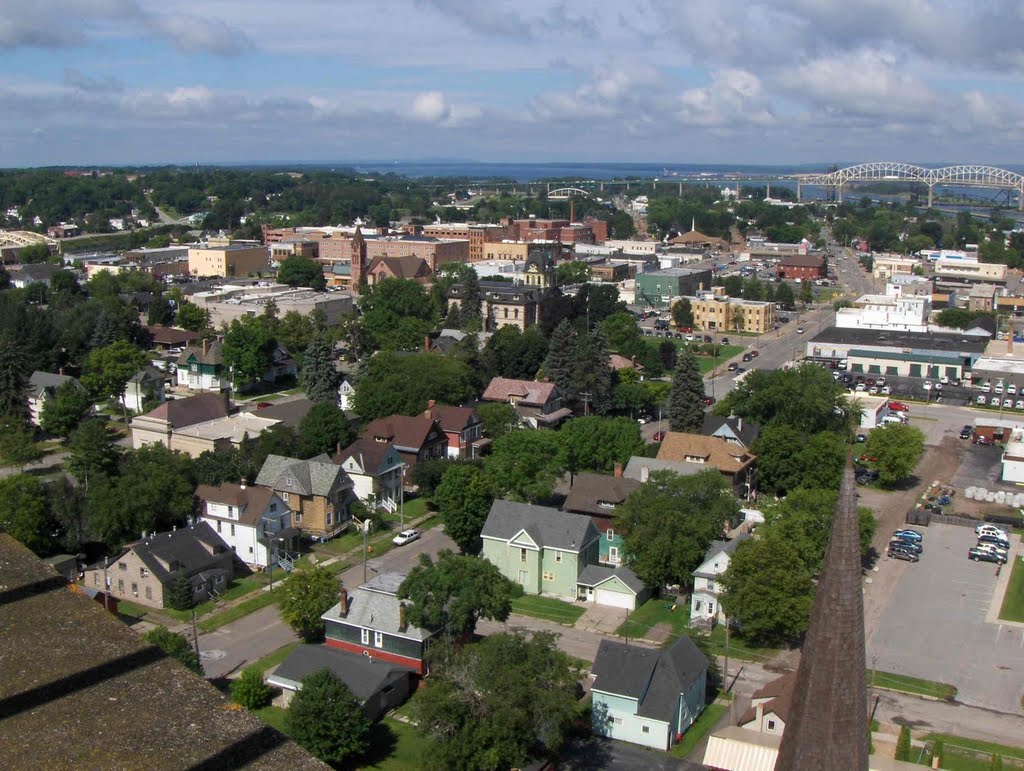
x,y
375,469
42,386
253,521
346,395
145,386
704,604
769,706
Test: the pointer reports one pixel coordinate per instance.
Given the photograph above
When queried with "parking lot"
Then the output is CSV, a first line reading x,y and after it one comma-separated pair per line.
x,y
934,626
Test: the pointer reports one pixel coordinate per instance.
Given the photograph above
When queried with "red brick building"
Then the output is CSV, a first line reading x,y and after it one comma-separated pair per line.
x,y
802,266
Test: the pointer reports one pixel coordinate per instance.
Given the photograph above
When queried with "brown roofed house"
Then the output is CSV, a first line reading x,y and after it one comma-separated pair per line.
x,y
538,404
416,438
376,471
769,706
599,496
734,462
170,337
157,425
254,521
462,425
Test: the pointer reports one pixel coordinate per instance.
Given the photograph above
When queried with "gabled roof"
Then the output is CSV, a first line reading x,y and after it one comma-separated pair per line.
x,y
547,527
252,502
188,412
716,453
406,433
655,679
530,392
147,374
595,575
213,354
190,547
637,463
745,430
375,606
169,335
779,693
452,418
317,476
716,548
409,266
590,491
369,455
48,382
364,676
41,271
290,412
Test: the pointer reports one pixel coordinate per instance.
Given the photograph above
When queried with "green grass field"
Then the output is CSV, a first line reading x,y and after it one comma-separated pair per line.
x,y
701,727
963,754
1013,600
907,684
547,609
655,611
274,658
238,588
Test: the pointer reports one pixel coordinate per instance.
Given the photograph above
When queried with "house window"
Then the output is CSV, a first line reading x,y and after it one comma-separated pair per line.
x,y
711,586
273,508
122,566
378,639
149,592
250,550
120,585
284,496
524,576
135,589
549,576
298,516
330,517
364,636
610,534
218,525
697,605
522,555
232,528
96,579
645,729
771,725
616,720
711,608
558,556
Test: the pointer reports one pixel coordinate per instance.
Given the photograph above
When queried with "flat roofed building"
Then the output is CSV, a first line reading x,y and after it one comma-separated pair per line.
x,y
898,353
888,265
659,288
228,259
720,312
962,271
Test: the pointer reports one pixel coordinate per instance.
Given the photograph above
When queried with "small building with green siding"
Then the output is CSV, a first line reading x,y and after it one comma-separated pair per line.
x,y
658,288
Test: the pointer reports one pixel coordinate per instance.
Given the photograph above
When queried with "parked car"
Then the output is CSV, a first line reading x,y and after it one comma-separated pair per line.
x,y
747,357
908,535
1019,405
733,366
902,554
981,555
994,540
899,543
986,388
927,385
861,438
755,353
885,390
659,436
965,432
984,440
1011,389
406,536
880,381
709,400
995,401
895,406
799,330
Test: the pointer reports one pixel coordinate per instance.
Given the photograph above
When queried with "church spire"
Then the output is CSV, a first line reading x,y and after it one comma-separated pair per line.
x,y
828,723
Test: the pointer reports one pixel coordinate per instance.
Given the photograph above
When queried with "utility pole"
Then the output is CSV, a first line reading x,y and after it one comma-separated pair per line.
x,y
106,586
585,396
366,529
725,667
401,501
195,633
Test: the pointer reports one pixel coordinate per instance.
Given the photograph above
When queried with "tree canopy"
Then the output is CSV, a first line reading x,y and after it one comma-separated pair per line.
x,y
788,459
898,448
686,397
464,497
324,429
248,349
327,719
525,464
62,414
402,385
306,595
296,270
319,377
597,444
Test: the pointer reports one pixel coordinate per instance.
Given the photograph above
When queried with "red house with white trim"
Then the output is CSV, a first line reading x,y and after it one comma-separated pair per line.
x,y
462,425
371,621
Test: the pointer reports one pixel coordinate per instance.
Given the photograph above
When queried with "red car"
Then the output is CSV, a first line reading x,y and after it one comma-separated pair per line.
x,y
898,407
659,436
980,439
709,400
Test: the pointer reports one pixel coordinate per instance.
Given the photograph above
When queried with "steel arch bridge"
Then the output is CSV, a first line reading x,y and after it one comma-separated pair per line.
x,y
24,238
965,176
563,193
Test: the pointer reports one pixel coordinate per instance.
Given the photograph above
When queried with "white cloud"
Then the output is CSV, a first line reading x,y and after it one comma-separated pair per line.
x,y
194,33
429,107
733,99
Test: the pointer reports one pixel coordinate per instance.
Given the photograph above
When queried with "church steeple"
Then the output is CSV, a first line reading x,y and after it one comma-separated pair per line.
x,y
828,723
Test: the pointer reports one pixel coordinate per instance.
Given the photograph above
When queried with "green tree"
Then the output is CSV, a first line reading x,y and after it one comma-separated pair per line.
x,y
572,272
597,444
670,521
248,349
804,397
591,376
296,331
596,302
525,464
804,519
686,399
768,590
13,380
25,513
514,354
62,414
250,691
178,594
464,498
397,313
174,645
160,311
319,377
296,270
472,298
558,365
305,596
898,449
66,503
323,429
402,385
455,592
806,292
498,418
193,318
903,744
327,719
784,297
788,459
108,370
92,452
497,703
17,443
682,313
621,331
34,253
215,468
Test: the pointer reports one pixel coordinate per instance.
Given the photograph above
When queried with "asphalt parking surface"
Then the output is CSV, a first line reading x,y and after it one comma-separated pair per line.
x,y
934,627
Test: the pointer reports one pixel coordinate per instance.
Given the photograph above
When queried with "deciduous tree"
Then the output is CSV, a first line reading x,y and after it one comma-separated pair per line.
x,y
788,459
193,318
597,444
24,513
92,452
326,719
525,464
248,349
464,497
108,370
403,385
305,596
498,418
62,414
682,313
250,691
898,448
514,354
176,646
296,270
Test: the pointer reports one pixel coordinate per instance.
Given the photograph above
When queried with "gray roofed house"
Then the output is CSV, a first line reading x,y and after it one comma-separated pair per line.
x,y
549,527
317,491
371,621
640,467
595,575
42,386
705,605
732,429
145,386
380,686
647,696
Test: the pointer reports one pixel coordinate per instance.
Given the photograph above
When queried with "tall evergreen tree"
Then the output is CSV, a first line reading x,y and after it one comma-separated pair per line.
x,y
469,309
106,331
686,397
591,375
319,376
558,365
13,382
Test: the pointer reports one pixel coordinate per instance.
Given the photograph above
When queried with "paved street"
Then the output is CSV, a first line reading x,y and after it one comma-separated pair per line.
x,y
401,559
252,637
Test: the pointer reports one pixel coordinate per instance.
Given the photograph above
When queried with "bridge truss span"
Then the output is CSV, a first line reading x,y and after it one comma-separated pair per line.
x,y
884,171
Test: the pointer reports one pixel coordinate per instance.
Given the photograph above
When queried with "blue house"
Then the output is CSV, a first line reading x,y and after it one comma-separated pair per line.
x,y
647,696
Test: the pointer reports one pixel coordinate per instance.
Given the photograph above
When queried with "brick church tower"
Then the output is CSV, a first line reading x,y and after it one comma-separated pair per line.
x,y
357,254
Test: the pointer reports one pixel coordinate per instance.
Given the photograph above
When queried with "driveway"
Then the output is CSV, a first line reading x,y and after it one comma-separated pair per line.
x,y
934,626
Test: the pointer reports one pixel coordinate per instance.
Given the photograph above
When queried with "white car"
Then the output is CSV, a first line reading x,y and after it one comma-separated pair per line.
x,y
985,388
1008,404
998,389
406,536
886,390
927,386
995,401
799,330
982,400
987,528
1019,405
1011,389
879,381
860,387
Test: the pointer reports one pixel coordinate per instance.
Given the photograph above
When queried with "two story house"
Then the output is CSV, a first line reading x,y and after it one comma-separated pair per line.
x,y
376,471
461,425
371,621
647,696
769,706
144,387
733,429
346,395
735,463
201,367
254,521
705,608
416,438
42,386
538,405
317,491
143,571
598,496
159,424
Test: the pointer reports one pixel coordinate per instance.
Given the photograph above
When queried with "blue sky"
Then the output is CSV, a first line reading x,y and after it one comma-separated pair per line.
x,y
681,81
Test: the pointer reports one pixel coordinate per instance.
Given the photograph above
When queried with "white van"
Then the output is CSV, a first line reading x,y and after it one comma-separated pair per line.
x,y
893,419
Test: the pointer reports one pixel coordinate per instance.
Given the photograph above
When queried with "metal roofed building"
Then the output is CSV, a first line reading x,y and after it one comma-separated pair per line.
x,y
233,301
897,353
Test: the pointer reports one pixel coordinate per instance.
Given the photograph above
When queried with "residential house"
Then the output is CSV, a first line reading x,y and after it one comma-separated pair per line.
x,y
346,395
144,570
220,434
705,607
555,553
144,387
317,491
598,496
254,521
371,621
42,386
416,438
539,405
169,339
201,368
732,429
33,273
158,425
376,470
769,706
282,366
647,696
378,685
735,463
462,426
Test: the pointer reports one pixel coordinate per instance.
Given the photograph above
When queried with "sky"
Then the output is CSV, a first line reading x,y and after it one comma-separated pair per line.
x,y
100,82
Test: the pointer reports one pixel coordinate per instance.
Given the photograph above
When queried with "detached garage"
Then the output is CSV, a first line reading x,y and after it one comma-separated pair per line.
x,y
616,588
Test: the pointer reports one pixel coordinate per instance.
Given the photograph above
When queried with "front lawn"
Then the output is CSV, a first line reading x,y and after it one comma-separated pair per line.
x,y
915,685
275,658
272,716
701,727
395,746
1013,600
237,588
963,754
739,648
656,611
547,609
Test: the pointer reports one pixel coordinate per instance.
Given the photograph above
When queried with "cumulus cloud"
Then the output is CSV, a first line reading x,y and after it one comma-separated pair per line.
x,y
734,98
193,33
429,107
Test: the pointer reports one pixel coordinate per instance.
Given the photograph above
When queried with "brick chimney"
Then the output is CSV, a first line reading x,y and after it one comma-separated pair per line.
x,y
402,623
204,346
343,610
618,469
426,343
428,413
